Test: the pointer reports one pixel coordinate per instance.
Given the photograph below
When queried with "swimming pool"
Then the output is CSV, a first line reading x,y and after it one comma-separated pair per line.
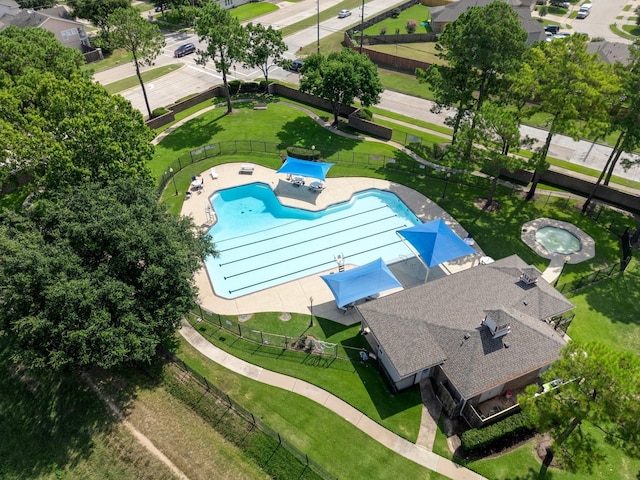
x,y
263,243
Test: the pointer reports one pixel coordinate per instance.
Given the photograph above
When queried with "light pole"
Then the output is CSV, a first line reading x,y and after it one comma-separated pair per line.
x,y
318,22
311,309
446,183
361,26
174,180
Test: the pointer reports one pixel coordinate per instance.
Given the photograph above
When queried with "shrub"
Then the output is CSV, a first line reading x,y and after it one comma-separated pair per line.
x,y
235,86
303,153
481,437
365,114
102,42
159,111
395,13
383,31
397,31
411,26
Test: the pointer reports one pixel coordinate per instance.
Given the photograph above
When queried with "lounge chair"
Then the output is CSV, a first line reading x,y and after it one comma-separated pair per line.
x,y
213,173
248,169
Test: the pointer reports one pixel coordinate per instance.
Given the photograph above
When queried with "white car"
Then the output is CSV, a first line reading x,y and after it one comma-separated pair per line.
x,y
344,13
582,13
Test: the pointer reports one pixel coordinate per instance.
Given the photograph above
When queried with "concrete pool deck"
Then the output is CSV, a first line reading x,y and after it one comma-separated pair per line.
x,y
296,296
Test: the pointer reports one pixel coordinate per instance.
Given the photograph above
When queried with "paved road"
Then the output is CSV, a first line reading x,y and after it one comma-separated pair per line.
x,y
603,14
193,78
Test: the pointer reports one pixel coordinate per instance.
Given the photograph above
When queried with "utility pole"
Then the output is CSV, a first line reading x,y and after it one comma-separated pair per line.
x,y
318,22
361,26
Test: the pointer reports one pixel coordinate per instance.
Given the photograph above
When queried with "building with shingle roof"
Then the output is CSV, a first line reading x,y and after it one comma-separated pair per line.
x,y
477,333
441,16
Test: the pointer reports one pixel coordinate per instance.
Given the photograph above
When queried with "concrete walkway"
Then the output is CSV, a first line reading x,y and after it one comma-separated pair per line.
x,y
403,447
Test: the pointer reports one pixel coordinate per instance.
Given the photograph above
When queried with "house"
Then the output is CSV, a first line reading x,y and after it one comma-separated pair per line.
x,y
442,16
610,52
57,20
478,333
9,8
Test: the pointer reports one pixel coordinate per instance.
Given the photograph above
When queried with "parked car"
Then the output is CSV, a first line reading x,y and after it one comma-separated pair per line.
x,y
582,13
344,13
185,49
297,65
560,3
552,29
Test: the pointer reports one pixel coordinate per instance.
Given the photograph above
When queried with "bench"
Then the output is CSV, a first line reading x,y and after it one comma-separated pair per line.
x,y
248,169
260,106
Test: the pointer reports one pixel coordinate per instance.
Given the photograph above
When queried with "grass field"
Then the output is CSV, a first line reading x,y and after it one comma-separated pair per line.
x,y
424,52
419,13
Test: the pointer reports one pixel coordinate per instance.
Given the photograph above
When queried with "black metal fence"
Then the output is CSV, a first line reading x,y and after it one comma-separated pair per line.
x,y
302,343
590,279
213,404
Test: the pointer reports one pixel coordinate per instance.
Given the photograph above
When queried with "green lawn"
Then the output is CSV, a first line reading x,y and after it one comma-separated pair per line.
x,y
341,448
252,10
130,82
356,383
419,13
117,57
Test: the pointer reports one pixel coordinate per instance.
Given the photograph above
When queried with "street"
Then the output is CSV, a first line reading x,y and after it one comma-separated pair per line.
x,y
192,78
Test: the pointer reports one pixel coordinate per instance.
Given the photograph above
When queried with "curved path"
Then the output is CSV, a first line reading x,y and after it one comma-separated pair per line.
x,y
403,447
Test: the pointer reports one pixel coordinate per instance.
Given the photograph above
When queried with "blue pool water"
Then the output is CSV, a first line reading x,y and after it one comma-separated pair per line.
x,y
263,243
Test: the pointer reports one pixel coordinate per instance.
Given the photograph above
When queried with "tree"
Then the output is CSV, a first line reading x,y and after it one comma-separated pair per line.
x,y
624,118
480,48
265,49
143,39
340,77
600,387
226,41
96,276
572,86
97,12
496,131
74,131
36,3
30,48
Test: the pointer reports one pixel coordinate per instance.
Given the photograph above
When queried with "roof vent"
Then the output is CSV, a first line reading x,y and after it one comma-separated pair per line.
x,y
467,336
496,325
529,276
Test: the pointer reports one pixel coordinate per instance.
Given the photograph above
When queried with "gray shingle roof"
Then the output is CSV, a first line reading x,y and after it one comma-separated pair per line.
x,y
426,325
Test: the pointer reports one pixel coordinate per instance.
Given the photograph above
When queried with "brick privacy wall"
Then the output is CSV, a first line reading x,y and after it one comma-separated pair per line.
x,y
294,94
404,64
371,128
626,201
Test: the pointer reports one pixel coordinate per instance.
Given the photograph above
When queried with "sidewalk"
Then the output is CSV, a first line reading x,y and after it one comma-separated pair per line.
x,y
387,438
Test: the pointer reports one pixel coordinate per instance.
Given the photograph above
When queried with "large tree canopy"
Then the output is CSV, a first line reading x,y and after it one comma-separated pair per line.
x,y
340,77
481,47
600,387
96,275
69,131
97,11
30,48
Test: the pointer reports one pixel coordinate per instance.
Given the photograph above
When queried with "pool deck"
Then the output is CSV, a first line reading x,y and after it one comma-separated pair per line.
x,y
295,297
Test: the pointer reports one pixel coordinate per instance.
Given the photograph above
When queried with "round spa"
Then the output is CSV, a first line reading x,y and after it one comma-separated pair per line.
x,y
551,238
557,240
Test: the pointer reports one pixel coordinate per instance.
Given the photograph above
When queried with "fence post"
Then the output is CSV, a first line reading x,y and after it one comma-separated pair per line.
x,y
229,400
240,330
219,320
253,420
261,338
286,343
279,439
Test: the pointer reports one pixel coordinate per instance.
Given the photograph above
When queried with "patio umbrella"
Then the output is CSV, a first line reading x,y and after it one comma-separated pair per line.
x,y
305,168
435,242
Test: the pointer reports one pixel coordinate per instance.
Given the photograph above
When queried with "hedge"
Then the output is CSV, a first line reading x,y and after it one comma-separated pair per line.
x,y
481,437
303,153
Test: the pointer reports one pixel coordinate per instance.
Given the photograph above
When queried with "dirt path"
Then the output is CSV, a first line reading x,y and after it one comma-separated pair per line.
x,y
144,441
